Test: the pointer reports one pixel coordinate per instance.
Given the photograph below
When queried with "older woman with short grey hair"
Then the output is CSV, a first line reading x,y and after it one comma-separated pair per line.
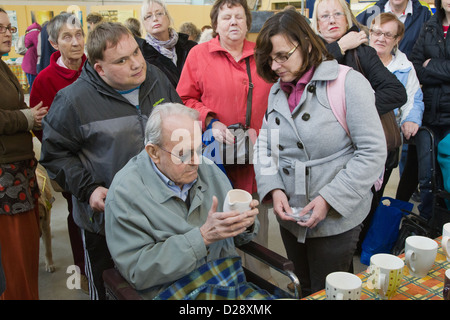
x,y
67,37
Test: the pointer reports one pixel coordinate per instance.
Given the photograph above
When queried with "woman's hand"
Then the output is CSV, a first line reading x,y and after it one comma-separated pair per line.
x,y
281,205
352,40
319,208
221,133
38,112
409,129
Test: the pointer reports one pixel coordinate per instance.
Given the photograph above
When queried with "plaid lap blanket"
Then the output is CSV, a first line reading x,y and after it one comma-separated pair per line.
x,y
221,279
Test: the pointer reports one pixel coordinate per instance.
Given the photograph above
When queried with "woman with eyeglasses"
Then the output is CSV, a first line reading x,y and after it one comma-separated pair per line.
x,y
305,160
163,46
386,32
346,40
19,192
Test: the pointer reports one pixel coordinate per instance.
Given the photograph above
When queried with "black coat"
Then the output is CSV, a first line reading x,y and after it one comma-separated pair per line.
x,y
389,91
435,77
172,71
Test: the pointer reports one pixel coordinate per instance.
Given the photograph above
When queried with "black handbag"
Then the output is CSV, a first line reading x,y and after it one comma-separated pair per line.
x,y
411,225
241,151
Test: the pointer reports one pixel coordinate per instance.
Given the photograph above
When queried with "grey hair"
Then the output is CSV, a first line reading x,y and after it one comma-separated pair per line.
x,y
55,25
154,124
146,4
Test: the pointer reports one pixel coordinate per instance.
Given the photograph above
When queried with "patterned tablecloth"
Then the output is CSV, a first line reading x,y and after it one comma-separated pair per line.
x,y
412,288
18,72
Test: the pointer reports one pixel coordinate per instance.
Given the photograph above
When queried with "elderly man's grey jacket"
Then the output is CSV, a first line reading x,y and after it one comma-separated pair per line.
x,y
154,236
307,153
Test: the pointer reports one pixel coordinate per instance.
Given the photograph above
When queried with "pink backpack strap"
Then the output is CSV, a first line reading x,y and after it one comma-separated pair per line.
x,y
336,96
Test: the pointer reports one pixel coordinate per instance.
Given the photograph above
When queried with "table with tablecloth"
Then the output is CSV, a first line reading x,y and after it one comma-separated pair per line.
x,y
411,288
20,74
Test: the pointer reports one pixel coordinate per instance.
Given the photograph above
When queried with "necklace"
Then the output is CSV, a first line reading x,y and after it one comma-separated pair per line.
x,y
235,57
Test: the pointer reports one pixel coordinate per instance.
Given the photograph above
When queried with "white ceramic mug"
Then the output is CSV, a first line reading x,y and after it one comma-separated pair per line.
x,y
420,254
445,240
446,289
385,274
238,200
343,286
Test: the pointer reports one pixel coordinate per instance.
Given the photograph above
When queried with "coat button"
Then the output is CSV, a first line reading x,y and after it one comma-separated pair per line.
x,y
277,121
306,116
286,171
280,147
300,145
311,88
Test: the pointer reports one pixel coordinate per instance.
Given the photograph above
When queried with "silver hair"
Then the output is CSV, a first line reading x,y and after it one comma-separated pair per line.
x,y
146,4
55,25
154,124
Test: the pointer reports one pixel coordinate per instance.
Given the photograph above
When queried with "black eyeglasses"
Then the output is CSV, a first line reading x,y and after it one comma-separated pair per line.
x,y
10,28
283,58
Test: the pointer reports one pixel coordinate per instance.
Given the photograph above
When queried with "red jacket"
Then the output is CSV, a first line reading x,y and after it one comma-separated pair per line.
x,y
49,81
212,82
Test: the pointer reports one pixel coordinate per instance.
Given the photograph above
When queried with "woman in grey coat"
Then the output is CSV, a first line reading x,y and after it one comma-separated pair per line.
x,y
304,157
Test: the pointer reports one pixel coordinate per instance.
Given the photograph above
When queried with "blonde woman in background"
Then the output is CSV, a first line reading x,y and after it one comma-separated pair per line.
x,y
163,46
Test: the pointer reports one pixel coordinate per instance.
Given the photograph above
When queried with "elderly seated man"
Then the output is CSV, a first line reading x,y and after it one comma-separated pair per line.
x,y
164,223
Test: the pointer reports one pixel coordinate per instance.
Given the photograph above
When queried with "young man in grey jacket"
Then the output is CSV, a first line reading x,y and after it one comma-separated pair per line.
x,y
95,126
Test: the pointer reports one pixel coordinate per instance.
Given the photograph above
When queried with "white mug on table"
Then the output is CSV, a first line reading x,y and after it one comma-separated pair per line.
x,y
445,240
420,254
343,286
385,274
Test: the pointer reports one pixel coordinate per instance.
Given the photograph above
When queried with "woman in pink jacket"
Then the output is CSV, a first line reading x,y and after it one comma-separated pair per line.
x,y
214,81
30,59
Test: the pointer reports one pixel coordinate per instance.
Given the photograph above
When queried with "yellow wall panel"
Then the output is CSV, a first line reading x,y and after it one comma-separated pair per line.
x,y
24,18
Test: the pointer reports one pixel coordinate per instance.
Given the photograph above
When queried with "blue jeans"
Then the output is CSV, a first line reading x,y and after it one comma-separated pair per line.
x,y
30,78
425,165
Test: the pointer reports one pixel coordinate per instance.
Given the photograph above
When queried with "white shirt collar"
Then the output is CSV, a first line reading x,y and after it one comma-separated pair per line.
x,y
408,10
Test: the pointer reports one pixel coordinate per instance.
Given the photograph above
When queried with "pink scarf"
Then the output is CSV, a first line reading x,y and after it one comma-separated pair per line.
x,y
295,92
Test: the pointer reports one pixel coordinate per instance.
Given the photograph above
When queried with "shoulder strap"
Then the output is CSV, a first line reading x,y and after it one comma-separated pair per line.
x,y
249,95
336,97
